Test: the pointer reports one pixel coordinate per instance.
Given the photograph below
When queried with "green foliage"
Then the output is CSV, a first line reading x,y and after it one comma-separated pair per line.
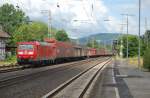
x,y
29,32
146,42
11,59
93,44
11,18
14,21
133,45
146,57
101,37
147,38
61,35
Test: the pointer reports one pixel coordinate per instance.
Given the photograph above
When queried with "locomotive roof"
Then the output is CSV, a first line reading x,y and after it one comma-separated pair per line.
x,y
34,43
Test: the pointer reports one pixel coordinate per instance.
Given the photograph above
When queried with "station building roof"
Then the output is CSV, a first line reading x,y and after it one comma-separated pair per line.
x,y
4,34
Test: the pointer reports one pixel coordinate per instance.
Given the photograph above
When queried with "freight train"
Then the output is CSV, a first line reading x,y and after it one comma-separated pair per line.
x,y
51,51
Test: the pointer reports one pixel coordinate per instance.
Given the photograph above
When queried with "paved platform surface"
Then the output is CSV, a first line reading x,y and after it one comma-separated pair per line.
x,y
120,80
137,81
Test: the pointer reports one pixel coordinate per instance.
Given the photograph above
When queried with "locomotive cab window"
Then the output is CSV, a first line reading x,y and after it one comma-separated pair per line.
x,y
25,47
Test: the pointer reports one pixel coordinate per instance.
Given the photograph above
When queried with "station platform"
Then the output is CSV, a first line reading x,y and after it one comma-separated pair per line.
x,y
121,80
135,83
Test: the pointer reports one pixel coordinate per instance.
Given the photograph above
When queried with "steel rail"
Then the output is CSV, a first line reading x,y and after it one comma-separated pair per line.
x,y
5,69
16,67
62,86
19,78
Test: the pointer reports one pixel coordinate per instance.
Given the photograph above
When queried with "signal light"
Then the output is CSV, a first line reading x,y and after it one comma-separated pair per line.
x,y
30,53
20,53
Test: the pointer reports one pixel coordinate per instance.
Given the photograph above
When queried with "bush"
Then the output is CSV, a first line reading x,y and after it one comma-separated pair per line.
x,y
11,59
146,59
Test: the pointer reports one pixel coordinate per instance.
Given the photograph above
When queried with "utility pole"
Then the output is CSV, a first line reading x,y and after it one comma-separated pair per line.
x,y
121,46
127,37
127,51
49,25
146,31
121,30
139,49
49,34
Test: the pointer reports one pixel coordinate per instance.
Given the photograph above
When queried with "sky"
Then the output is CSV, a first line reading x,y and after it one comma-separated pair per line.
x,y
87,17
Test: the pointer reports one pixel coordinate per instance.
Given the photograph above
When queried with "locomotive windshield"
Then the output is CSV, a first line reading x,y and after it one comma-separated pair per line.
x,y
25,47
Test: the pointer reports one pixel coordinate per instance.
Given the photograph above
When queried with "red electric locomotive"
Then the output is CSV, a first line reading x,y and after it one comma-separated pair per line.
x,y
34,52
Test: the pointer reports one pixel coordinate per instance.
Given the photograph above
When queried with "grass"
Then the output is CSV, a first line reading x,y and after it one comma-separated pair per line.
x,y
9,60
134,61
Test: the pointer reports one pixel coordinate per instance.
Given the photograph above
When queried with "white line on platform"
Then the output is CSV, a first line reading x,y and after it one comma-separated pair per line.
x,y
114,82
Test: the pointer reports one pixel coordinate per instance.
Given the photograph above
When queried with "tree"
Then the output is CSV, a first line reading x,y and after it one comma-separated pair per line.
x,y
61,35
29,32
146,42
133,45
146,61
93,44
11,18
147,38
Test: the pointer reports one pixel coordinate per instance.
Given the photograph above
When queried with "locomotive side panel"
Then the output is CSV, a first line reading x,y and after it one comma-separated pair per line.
x,y
43,51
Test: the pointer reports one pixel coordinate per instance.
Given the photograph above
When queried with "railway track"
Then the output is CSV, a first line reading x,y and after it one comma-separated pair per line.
x,y
77,86
15,67
22,77
11,68
5,69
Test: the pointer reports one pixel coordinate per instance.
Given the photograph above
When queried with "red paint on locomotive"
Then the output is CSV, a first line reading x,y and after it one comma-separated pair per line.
x,y
34,51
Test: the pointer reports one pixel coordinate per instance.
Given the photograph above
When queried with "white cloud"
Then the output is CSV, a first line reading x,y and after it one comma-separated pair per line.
x,y
69,10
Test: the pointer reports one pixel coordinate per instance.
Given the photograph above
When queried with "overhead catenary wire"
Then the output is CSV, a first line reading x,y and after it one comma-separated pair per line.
x,y
91,15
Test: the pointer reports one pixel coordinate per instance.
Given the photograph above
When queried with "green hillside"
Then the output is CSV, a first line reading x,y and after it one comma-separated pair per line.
x,y
101,37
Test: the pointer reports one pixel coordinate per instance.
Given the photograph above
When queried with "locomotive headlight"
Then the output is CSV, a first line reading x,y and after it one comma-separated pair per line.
x,y
30,53
20,52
